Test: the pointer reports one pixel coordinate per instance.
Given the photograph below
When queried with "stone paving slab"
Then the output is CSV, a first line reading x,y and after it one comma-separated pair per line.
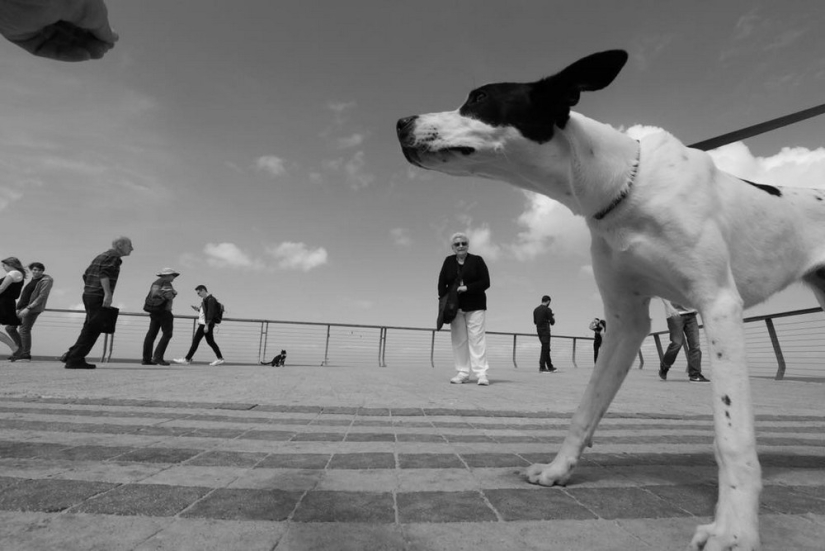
x,y
90,467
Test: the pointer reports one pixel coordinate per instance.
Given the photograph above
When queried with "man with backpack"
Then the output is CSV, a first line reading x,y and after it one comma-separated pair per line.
x,y
210,312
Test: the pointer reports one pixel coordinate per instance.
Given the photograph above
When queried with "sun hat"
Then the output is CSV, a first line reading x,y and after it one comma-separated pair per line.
x,y
168,271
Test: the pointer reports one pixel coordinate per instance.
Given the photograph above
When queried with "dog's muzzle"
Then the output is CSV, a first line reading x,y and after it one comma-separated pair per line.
x,y
414,149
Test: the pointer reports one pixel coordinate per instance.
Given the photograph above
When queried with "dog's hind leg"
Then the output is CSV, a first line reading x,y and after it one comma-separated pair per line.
x,y
736,524
628,318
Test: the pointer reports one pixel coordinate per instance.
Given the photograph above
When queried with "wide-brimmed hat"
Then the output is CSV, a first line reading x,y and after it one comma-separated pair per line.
x,y
168,271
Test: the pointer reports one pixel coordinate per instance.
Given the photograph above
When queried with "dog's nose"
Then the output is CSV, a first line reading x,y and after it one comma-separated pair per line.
x,y
404,125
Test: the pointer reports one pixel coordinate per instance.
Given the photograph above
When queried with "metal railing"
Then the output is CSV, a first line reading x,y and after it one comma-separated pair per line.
x,y
788,342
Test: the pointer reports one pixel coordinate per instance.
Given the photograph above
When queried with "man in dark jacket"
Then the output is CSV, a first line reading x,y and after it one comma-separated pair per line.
x,y
207,314
543,318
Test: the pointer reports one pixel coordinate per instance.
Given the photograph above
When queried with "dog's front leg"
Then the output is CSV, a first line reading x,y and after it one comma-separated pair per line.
x,y
736,524
628,321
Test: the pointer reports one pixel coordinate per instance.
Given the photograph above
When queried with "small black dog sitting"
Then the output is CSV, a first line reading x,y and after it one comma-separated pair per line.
x,y
277,361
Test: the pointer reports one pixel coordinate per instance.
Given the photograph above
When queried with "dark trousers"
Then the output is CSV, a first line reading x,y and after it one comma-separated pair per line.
x,y
544,357
597,343
89,333
684,327
210,340
23,338
158,321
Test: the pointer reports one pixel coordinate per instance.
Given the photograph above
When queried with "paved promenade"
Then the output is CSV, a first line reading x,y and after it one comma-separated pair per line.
x,y
130,457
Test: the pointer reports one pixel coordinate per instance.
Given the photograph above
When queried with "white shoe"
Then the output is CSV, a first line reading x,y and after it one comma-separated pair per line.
x,y
460,378
219,361
182,361
483,381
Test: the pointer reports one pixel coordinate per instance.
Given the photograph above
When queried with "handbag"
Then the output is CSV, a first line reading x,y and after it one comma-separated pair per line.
x,y
154,303
106,319
447,306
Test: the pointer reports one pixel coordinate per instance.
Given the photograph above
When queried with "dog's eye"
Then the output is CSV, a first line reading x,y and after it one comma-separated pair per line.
x,y
476,97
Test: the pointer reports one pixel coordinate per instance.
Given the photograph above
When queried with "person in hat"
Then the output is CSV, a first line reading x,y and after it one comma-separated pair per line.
x,y
543,318
161,319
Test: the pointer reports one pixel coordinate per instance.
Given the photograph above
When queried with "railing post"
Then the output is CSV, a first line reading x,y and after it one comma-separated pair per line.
x,y
658,342
262,340
432,351
780,358
382,346
641,359
514,351
574,353
326,348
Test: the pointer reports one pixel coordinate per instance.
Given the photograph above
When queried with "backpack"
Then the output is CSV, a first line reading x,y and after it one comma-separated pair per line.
x,y
219,314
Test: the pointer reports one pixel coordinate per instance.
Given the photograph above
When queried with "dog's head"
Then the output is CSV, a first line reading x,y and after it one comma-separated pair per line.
x,y
503,124
283,352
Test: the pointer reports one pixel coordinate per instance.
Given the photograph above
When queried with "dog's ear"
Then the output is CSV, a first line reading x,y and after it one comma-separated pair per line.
x,y
588,74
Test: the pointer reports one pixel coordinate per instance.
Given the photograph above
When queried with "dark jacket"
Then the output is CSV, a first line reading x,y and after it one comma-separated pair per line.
x,y
543,318
475,276
210,308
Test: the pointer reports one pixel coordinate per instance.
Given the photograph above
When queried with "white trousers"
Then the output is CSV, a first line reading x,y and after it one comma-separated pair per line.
x,y
468,332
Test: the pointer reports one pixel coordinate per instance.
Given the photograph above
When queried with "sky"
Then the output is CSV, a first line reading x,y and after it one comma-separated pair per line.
x,y
251,145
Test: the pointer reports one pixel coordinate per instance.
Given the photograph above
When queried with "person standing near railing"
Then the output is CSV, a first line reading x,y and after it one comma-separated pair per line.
x,y
10,286
31,304
682,324
543,318
597,326
468,329
161,296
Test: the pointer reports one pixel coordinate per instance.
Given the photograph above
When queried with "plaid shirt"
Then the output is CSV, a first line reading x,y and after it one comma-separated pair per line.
x,y
104,265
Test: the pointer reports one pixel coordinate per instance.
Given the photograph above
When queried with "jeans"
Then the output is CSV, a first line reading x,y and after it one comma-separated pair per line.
x,y
210,340
469,338
158,321
685,326
22,334
89,333
545,362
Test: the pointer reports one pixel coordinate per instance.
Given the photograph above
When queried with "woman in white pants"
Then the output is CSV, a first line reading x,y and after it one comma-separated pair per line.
x,y
468,329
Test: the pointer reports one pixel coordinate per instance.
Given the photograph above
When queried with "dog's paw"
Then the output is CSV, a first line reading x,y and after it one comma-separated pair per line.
x,y
548,474
710,537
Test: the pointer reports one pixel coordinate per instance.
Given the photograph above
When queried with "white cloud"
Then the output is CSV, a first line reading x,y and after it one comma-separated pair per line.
x,y
296,256
792,166
481,243
549,225
229,255
401,237
353,140
271,164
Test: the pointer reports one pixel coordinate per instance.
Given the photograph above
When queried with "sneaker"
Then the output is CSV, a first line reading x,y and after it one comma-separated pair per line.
x,y
64,357
663,372
699,379
483,381
219,361
460,378
148,362
160,361
20,358
551,369
182,361
80,365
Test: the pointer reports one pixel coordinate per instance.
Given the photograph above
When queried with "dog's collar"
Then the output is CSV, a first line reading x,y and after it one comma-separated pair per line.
x,y
625,191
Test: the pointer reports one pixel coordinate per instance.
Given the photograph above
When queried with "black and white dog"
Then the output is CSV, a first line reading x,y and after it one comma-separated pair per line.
x,y
664,221
277,361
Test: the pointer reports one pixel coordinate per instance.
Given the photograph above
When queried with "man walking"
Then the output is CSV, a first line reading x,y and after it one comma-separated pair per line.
x,y
543,318
30,305
682,323
207,317
99,281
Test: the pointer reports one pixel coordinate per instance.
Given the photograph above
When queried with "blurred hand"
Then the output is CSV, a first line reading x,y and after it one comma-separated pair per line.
x,y
65,30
